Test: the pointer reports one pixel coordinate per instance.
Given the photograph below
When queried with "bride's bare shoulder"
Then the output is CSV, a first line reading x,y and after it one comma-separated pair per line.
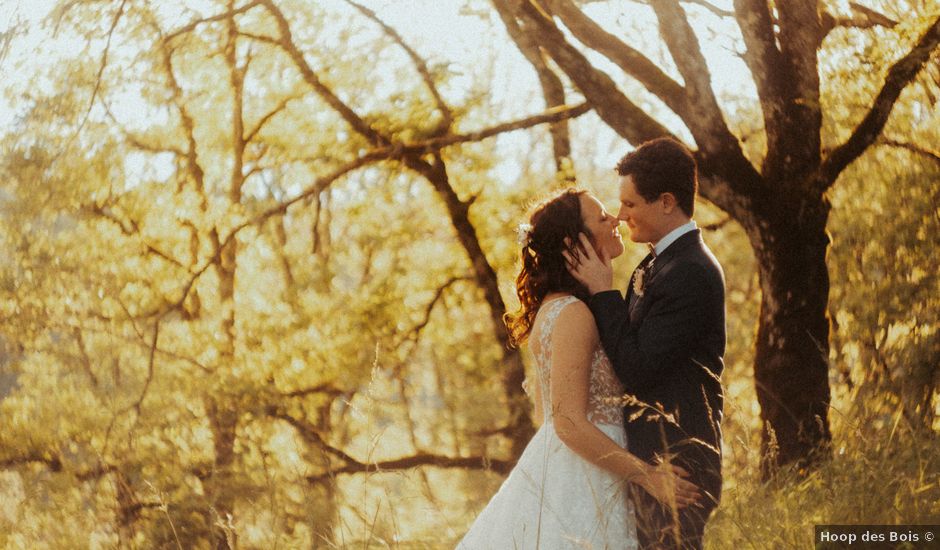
x,y
575,321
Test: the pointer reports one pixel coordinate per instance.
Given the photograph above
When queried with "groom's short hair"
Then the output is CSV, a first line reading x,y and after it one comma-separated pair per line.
x,y
660,166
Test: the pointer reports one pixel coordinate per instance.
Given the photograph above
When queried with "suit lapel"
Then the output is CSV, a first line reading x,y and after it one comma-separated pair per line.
x,y
632,297
672,251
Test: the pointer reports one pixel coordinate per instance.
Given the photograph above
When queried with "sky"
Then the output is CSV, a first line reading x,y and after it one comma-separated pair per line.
x,y
443,27
445,30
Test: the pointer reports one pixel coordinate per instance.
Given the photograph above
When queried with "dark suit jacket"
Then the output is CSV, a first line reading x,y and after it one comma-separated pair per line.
x,y
667,350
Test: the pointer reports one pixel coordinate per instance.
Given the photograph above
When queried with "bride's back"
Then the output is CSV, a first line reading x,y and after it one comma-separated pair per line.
x,y
605,388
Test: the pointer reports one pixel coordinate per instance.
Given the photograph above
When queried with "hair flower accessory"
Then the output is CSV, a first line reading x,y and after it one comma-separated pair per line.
x,y
524,234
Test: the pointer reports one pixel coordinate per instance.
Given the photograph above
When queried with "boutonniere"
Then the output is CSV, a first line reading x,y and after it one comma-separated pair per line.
x,y
639,278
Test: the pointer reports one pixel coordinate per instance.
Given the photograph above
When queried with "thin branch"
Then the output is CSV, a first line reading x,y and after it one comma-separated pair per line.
x,y
85,359
134,231
138,341
192,161
414,333
553,91
308,432
862,18
310,76
102,64
150,371
264,120
554,114
439,461
54,462
324,388
717,225
222,16
899,76
711,7
437,297
912,147
420,64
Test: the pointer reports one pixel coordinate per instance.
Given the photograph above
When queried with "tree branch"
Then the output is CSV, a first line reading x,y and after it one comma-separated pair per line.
x,y
862,18
871,16
440,461
308,433
621,114
220,17
420,64
380,154
553,89
310,76
54,462
764,60
103,63
703,117
192,162
899,76
324,388
415,332
630,60
711,7
140,341
134,231
264,120
914,148
151,360
551,115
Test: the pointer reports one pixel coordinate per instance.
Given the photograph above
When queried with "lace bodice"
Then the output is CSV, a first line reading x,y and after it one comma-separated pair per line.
x,y
604,385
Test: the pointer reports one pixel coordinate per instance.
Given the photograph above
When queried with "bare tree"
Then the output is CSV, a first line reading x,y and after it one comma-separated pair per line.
x,y
780,202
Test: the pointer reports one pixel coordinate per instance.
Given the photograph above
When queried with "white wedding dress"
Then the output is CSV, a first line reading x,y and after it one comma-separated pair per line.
x,y
553,499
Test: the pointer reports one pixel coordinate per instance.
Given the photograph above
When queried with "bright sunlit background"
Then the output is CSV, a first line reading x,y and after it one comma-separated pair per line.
x,y
211,341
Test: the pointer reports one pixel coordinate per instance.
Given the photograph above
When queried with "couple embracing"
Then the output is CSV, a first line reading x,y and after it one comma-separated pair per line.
x,y
627,388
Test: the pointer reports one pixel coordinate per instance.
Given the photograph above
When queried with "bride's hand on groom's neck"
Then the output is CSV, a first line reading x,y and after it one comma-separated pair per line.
x,y
587,266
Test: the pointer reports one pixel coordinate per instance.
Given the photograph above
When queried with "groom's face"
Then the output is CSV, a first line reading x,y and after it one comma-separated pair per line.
x,y
645,219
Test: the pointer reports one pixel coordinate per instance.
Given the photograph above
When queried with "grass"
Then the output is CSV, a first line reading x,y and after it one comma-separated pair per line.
x,y
881,473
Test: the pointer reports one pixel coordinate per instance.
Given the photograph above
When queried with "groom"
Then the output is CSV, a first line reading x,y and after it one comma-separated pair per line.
x,y
666,339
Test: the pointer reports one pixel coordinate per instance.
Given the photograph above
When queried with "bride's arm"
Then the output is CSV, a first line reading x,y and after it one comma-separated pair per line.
x,y
573,343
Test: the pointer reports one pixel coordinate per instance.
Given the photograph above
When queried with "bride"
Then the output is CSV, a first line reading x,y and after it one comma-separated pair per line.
x,y
568,489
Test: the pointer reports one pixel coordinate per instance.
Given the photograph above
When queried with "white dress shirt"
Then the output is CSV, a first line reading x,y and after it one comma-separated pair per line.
x,y
671,237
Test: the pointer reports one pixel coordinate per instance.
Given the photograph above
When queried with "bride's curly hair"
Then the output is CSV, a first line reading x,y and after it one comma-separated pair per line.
x,y
543,267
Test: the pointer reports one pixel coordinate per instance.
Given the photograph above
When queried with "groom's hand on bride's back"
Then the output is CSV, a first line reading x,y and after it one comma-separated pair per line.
x,y
590,268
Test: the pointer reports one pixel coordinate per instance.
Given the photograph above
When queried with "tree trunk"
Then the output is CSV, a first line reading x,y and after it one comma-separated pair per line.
x,y
223,419
792,349
224,423
519,428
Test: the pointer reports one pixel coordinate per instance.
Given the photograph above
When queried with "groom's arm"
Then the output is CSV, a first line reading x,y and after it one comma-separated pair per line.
x,y
644,355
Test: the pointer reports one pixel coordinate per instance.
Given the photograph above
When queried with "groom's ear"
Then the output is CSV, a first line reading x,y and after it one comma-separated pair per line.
x,y
669,202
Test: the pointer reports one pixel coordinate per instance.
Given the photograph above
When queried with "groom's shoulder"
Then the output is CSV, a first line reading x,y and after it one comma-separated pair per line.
x,y
697,267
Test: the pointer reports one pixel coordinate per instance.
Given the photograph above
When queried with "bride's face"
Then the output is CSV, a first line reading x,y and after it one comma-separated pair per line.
x,y
602,226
